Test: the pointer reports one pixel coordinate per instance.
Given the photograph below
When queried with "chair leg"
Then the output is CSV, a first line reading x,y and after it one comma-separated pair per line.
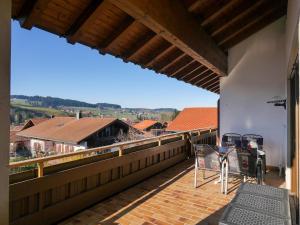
x,y
222,177
195,178
226,177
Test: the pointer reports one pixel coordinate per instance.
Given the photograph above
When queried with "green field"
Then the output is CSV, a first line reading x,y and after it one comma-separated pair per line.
x,y
22,110
49,111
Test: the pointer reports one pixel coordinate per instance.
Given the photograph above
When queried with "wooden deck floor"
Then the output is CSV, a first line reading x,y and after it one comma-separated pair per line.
x,y
167,198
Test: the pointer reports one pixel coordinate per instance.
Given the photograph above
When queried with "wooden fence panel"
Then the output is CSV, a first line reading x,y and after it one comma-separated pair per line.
x,y
62,191
56,195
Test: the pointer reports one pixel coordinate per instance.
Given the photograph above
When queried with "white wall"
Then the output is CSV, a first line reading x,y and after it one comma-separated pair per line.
x,y
257,75
62,148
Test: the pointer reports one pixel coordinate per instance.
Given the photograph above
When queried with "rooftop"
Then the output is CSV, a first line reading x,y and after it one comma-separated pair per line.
x,y
194,118
166,198
145,124
67,129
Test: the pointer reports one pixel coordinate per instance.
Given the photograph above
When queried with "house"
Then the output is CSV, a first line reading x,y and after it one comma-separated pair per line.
x,y
194,118
20,145
68,134
33,122
152,127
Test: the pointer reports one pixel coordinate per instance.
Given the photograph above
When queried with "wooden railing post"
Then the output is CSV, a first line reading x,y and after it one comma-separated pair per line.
x,y
121,150
40,169
190,144
159,142
183,136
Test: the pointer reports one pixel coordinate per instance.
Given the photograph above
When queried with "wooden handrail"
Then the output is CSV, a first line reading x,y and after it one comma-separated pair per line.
x,y
121,146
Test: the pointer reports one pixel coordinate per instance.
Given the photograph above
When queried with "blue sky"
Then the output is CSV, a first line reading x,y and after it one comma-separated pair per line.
x,y
45,64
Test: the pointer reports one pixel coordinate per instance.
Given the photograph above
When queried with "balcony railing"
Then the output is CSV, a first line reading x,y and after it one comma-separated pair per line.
x,y
49,193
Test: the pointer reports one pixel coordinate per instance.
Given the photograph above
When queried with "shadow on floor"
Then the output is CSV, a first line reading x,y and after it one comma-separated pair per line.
x,y
167,192
145,192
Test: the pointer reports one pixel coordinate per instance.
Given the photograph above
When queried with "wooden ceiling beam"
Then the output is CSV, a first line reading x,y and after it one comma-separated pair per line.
x,y
111,39
204,71
31,11
203,76
210,81
212,84
139,46
256,24
239,17
184,32
208,75
88,15
193,74
160,53
190,71
215,89
231,4
195,5
26,9
182,63
185,69
171,62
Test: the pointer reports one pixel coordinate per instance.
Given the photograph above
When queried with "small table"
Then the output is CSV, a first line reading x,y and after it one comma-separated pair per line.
x,y
258,204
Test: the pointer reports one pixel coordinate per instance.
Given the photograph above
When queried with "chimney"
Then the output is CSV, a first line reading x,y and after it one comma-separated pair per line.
x,y
78,115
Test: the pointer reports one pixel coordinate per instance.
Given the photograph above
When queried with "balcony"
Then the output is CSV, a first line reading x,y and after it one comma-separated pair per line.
x,y
158,167
166,198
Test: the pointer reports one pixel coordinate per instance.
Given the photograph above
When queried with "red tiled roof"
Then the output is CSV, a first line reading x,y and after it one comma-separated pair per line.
x,y
194,118
37,121
33,122
67,129
145,124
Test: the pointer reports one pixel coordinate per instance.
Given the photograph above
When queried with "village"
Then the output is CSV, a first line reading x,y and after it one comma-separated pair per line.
x,y
40,137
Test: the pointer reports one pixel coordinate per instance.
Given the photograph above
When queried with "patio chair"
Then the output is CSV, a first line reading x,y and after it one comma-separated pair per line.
x,y
253,143
206,158
232,139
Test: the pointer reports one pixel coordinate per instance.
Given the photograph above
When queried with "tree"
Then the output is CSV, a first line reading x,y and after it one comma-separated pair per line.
x,y
130,135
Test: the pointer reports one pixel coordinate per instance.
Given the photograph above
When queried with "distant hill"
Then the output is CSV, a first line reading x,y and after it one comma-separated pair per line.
x,y
158,110
59,102
26,107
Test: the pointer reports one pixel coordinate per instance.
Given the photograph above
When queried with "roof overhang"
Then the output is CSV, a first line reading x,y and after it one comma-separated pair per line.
x,y
183,39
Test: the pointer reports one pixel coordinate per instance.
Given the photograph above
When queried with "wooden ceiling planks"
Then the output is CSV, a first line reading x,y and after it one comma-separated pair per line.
x,y
159,17
231,21
108,27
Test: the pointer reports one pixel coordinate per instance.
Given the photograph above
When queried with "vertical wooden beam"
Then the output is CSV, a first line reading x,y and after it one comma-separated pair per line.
x,y
5,41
